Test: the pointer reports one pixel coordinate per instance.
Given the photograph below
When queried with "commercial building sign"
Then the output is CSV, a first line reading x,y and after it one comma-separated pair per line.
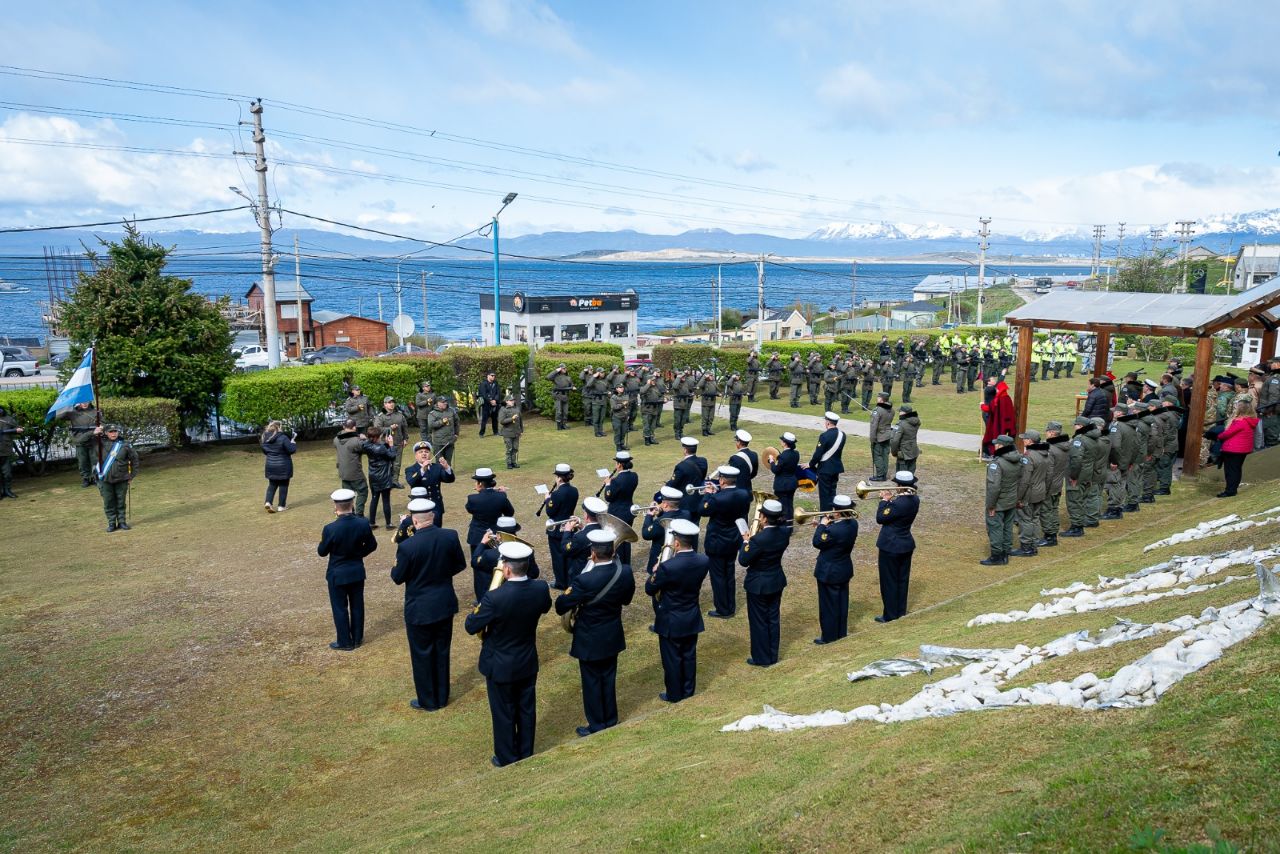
x,y
521,303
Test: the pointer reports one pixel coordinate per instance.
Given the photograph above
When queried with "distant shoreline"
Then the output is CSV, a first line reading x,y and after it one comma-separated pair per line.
x,y
688,255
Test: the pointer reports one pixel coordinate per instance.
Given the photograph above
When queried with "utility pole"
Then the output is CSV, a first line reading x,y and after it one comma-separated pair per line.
x,y
497,287
264,223
719,306
983,233
399,303
1119,246
426,340
297,283
1156,233
379,306
760,304
1185,230
1098,232
853,297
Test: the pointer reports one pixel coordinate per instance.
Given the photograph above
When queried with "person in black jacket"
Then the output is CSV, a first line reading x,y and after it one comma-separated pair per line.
x,y
668,507
346,541
382,473
508,617
404,528
619,493
279,450
485,505
1098,402
690,471
896,546
826,461
490,398
428,472
426,564
785,481
485,561
599,593
724,505
560,503
676,588
834,539
745,461
762,556
577,549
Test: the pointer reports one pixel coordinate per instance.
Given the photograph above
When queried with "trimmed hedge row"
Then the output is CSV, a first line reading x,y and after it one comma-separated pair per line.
x,y
585,347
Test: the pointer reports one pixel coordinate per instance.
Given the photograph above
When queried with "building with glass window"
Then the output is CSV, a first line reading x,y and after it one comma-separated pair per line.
x,y
606,318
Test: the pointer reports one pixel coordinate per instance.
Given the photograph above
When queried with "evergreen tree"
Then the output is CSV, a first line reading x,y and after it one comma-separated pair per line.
x,y
154,336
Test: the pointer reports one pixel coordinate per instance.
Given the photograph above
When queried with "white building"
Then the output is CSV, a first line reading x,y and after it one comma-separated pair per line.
x,y
938,285
915,314
607,318
785,325
1255,264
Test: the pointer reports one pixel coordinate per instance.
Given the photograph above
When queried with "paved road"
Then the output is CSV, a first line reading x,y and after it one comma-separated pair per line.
x,y
45,376
797,421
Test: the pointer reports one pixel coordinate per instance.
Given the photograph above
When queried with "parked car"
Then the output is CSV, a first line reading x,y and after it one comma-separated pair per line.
x,y
402,350
639,363
17,362
331,354
57,359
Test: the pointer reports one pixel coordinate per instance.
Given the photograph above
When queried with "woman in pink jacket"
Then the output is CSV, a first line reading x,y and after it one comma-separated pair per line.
x,y
1237,443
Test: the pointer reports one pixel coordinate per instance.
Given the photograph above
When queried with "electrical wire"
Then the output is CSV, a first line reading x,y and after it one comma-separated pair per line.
x,y
121,221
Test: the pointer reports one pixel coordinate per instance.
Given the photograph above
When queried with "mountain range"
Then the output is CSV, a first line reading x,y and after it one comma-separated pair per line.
x,y
1220,232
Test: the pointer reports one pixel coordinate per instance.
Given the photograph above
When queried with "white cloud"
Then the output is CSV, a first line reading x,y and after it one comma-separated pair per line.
x,y
526,22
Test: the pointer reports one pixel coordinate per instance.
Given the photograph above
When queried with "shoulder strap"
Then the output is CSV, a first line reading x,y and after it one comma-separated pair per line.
x,y
617,571
835,446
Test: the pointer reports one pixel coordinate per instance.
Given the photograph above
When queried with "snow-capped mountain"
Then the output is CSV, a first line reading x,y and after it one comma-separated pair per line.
x,y
1254,222
888,231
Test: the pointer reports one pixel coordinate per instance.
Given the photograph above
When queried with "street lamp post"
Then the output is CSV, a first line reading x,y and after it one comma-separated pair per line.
x,y
497,288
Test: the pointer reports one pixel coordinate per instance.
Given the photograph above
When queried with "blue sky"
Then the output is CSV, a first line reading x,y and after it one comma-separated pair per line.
x,y
1044,116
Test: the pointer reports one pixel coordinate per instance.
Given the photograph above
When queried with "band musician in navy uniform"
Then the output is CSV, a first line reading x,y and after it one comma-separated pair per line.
x,y
834,538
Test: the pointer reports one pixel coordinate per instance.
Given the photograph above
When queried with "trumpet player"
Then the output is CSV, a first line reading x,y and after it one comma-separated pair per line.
x,y
404,530
676,588
485,505
577,549
560,504
619,492
690,471
666,507
723,505
762,556
895,544
834,538
785,481
598,593
486,558
426,564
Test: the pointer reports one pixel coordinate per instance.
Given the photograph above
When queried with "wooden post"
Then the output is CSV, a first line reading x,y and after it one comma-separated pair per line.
x,y
1199,394
1022,377
1102,350
1268,350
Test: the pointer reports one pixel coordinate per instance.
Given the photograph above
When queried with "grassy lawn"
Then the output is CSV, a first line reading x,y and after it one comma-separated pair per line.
x,y
171,688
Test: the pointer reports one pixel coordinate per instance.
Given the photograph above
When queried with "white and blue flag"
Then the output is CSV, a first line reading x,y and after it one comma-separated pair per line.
x,y
79,389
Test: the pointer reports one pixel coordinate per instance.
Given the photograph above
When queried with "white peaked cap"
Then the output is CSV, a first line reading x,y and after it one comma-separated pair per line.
x,y
904,477
343,495
684,528
482,474
788,437
771,507
743,437
418,492
507,522
842,501
421,505
831,416
671,492
515,551
563,468
600,535
689,442
594,506
728,471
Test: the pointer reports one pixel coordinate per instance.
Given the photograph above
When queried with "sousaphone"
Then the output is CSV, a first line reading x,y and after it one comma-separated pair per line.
x,y
622,533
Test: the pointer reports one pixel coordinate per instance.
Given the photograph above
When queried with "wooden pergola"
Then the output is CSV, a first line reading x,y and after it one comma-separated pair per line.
x,y
1107,313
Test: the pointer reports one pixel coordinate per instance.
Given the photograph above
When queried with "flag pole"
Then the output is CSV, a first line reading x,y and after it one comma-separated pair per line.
x,y
97,410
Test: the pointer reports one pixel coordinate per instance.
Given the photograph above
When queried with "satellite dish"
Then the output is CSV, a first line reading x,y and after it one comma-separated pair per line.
x,y
402,325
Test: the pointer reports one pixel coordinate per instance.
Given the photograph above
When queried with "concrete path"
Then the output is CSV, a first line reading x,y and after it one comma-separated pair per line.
x,y
806,421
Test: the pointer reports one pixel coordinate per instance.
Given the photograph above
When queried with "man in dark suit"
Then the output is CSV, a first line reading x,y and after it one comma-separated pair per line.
x,y
785,480
619,492
428,472
599,593
762,556
668,501
509,616
744,460
346,541
561,502
426,564
724,507
896,546
834,538
485,561
690,471
490,397
826,461
577,549
676,588
485,505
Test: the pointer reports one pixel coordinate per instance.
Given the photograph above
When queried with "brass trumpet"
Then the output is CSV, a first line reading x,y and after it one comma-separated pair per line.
x,y
551,526
709,486
863,489
804,517
641,509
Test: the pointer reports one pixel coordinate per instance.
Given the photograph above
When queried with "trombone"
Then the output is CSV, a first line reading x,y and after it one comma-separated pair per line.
x,y
805,517
863,489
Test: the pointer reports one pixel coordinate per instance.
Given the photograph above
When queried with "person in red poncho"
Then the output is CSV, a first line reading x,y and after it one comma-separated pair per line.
x,y
999,416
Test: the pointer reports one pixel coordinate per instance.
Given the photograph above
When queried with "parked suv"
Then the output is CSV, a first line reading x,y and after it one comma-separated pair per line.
x,y
17,362
330,354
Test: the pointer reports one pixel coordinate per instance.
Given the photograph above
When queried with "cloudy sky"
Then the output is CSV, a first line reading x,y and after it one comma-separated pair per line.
x,y
657,116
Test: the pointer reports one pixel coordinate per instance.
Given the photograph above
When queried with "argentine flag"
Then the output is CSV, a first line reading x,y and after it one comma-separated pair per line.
x,y
79,389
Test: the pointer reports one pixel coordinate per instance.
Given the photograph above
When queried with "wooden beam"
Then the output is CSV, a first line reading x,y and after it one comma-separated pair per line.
x,y
1022,377
1268,350
1199,394
1102,351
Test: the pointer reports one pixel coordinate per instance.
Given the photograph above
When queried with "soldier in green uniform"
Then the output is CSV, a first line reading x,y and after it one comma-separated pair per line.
x,y
831,380
910,375
880,434
1171,413
903,443
393,422
868,375
631,384
796,373
357,408
561,385
620,415
8,430
1002,500
774,369
937,355
888,373
1082,462
510,428
753,375
1155,450
599,400
813,373
1269,403
707,391
972,369
1101,464
423,402
734,390
959,366
1141,435
661,384
119,468
682,390
990,364
1059,448
651,400
1033,484
82,419
442,433
584,383
1123,451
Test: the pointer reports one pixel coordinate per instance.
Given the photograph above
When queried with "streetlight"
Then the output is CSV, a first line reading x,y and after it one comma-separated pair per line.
x,y
497,290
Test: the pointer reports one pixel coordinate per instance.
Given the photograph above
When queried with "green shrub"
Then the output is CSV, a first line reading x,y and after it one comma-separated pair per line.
x,y
145,420
470,364
299,396
585,348
1184,350
28,407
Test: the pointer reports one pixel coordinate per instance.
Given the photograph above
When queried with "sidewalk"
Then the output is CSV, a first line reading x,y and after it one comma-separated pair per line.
x,y
797,421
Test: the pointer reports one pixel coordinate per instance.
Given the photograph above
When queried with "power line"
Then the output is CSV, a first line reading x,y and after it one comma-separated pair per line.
x,y
120,221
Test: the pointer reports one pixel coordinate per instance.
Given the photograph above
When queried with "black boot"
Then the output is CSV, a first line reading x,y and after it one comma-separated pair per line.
x,y
1024,551
1073,531
8,493
1113,513
654,441
1147,499
1047,542
996,559
1164,490
1131,508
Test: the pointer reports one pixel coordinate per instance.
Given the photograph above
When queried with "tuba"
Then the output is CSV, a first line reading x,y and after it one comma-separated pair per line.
x,y
622,533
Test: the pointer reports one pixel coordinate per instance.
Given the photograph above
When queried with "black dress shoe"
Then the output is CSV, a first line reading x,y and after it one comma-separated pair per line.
x,y
111,527
880,619
1225,495
664,698
340,648
1047,542
1111,515
1092,524
1023,552
1131,508
653,628
582,732
124,526
1074,531
1146,499
1160,491
414,704
719,615
493,760
820,641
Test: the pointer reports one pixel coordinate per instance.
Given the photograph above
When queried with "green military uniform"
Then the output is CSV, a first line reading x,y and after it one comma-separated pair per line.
x,y
774,369
1082,463
1269,407
8,430
959,367
510,428
903,442
753,375
734,389
868,374
395,423
82,421
1059,448
848,384
599,401
682,390
631,385
1133,480
880,433
936,355
442,432
423,402
1172,415
357,409
796,373
1033,486
1123,450
832,378
561,385
620,416
119,467
1002,500
661,385
707,391
651,399
584,383
1101,466
973,367
910,375
888,373
1155,451
813,373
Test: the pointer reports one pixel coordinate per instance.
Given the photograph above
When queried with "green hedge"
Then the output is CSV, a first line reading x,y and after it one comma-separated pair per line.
x,y
585,347
299,395
544,362
146,420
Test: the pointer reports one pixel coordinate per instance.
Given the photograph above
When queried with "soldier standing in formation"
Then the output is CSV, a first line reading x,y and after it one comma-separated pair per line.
x,y
442,428
1123,452
357,408
619,415
848,385
676,588
796,375
879,434
774,369
813,376
511,428
910,374
423,401
1033,484
83,419
753,374
682,402
734,389
707,394
888,373
868,374
651,400
118,469
831,379
938,357
1002,500
834,538
561,385
1269,404
490,396
1082,463
903,442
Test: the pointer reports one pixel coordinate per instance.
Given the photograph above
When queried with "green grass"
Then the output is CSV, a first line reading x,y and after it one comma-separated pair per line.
x,y
171,688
